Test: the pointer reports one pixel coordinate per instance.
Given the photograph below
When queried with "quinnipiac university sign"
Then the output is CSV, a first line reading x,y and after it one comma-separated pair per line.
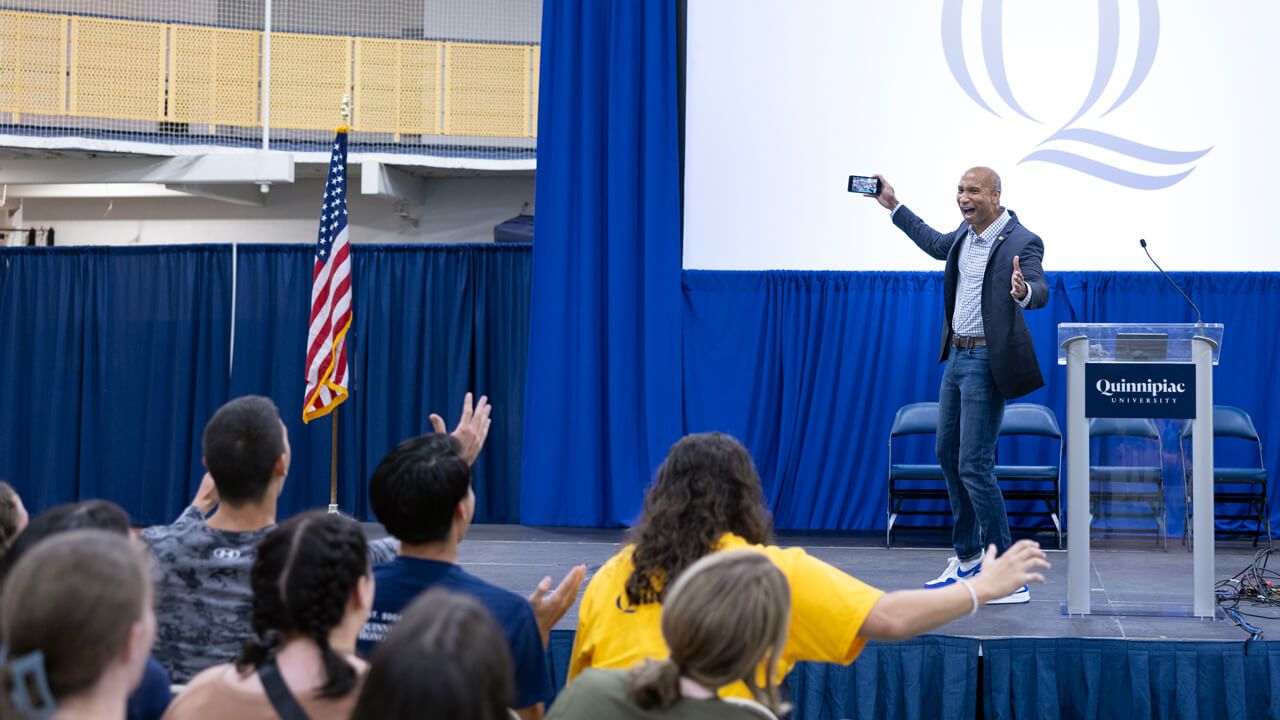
x,y
1140,390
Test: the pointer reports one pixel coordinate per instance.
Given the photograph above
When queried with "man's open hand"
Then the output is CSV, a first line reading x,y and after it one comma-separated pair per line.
x,y
548,608
1018,287
472,429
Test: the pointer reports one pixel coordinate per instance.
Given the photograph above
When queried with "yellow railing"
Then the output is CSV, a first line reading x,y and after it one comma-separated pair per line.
x,y
67,65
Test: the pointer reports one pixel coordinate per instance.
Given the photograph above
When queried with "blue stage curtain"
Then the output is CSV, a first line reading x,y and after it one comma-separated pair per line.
x,y
808,369
431,324
422,315
113,358
927,677
116,358
273,304
603,394
1129,679
502,276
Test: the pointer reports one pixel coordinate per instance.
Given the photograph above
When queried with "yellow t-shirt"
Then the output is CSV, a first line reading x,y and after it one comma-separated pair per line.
x,y
827,608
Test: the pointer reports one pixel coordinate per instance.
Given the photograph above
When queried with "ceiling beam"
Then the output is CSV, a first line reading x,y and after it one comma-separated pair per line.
x,y
243,168
251,195
380,179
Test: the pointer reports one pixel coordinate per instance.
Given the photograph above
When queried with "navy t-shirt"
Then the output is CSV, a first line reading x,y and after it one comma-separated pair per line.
x,y
400,581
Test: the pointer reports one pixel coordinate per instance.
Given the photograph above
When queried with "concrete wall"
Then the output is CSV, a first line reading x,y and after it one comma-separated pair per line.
x,y
452,210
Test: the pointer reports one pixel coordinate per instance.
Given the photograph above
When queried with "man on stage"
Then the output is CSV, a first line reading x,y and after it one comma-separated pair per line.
x,y
993,273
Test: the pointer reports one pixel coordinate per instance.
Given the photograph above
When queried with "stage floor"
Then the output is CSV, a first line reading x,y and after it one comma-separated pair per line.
x,y
1124,571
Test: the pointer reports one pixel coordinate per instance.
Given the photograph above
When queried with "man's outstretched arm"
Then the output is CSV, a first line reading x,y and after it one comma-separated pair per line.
x,y
929,240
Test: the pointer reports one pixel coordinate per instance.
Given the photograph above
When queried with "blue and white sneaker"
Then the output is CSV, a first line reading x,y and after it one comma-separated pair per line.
x,y
1021,595
956,570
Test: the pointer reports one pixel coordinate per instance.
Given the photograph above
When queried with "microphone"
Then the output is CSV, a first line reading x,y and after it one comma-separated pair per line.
x,y
1199,320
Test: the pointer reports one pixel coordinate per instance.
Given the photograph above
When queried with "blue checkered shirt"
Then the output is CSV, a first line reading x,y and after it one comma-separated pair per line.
x,y
974,253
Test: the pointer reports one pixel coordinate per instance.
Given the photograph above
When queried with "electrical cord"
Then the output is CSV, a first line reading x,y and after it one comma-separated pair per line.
x,y
1255,587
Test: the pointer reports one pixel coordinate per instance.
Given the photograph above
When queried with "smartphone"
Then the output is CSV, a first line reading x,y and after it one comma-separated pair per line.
x,y
864,185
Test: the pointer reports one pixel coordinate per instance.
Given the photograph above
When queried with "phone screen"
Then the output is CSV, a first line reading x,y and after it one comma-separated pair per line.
x,y
864,185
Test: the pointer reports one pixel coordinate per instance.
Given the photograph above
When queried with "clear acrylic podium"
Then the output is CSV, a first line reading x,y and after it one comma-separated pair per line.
x,y
1080,344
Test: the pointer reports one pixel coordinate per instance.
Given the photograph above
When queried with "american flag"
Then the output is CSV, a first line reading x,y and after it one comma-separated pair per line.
x,y
330,294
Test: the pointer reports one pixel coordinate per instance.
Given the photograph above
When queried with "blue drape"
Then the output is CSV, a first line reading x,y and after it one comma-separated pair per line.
x,y
926,677
430,326
808,369
113,359
1129,680
603,402
431,323
1030,679
273,302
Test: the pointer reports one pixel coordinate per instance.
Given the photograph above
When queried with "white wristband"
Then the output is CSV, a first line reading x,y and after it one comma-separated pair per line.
x,y
972,593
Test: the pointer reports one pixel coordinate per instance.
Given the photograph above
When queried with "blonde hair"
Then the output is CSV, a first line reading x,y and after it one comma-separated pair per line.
x,y
725,614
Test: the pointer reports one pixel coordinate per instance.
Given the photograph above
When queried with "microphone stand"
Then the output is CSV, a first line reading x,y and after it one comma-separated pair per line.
x,y
1199,319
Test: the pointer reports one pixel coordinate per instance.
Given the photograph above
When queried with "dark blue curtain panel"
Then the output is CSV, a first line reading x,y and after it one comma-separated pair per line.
x,y
113,359
603,395
422,315
931,676
1125,679
116,358
808,369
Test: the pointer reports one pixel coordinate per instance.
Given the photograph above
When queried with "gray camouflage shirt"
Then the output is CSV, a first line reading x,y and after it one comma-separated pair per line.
x,y
204,603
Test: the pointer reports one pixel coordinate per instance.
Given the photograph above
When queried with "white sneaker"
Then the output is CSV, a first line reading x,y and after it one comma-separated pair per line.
x,y
1021,595
956,570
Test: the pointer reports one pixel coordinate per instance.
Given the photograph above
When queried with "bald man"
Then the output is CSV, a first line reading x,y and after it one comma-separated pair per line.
x,y
993,273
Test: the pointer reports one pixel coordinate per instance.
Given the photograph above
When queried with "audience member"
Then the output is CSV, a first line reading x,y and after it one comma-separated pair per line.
x,y
446,658
421,493
203,591
87,515
312,590
707,498
13,515
202,588
149,700
77,619
724,617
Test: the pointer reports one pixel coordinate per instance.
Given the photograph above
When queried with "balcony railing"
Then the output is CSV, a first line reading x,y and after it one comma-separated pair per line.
x,y
69,74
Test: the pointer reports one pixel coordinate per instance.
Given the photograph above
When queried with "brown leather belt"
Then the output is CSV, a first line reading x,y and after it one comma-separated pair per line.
x,y
961,341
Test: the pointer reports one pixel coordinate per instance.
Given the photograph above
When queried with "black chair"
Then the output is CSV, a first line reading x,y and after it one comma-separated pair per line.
x,y
1239,485
909,482
1037,483
1116,489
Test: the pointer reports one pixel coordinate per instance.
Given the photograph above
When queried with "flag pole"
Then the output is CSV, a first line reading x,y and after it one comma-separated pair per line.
x,y
333,466
333,454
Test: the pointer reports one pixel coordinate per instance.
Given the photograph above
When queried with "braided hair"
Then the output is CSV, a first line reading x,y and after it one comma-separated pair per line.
x,y
302,577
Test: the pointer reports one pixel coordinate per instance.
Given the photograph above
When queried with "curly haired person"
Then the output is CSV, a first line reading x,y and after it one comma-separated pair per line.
x,y
707,498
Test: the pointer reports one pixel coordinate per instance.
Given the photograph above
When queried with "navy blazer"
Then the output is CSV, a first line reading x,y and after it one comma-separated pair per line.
x,y
1009,348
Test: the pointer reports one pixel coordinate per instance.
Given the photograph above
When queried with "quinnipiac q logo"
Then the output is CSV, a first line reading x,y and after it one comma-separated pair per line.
x,y
992,39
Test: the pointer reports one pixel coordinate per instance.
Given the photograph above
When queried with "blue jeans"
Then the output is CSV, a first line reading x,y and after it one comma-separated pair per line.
x,y
970,409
